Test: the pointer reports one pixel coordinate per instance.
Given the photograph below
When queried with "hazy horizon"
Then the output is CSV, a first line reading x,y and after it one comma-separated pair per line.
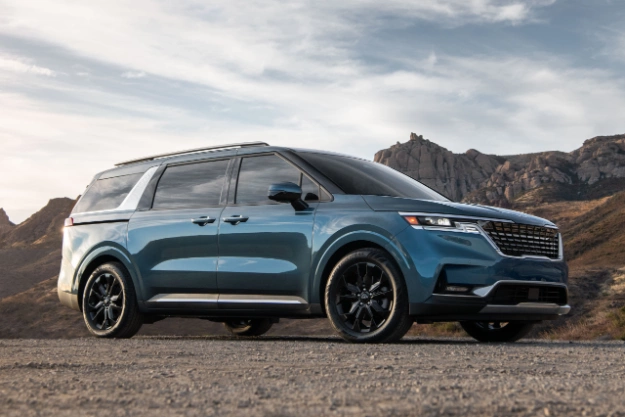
x,y
86,85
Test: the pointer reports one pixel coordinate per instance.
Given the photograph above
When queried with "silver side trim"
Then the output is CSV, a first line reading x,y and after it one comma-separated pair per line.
x,y
131,201
485,291
185,298
526,308
260,299
228,299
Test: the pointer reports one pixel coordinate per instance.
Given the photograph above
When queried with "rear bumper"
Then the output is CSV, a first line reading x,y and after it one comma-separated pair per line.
x,y
482,304
68,299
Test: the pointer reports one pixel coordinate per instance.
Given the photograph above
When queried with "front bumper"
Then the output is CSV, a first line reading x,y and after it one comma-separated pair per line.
x,y
486,303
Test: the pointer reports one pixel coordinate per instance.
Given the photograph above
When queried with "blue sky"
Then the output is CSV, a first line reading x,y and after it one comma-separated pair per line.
x,y
85,84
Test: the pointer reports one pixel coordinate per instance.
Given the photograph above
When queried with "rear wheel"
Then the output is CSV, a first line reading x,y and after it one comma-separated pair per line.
x,y
109,303
497,331
366,298
248,327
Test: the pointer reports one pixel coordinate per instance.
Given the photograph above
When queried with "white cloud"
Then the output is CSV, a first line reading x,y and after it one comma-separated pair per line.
x,y
23,66
131,74
296,66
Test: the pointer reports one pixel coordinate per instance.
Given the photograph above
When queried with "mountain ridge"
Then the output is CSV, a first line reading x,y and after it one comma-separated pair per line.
x,y
476,177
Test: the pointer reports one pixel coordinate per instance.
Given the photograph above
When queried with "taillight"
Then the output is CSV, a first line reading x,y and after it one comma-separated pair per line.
x,y
69,222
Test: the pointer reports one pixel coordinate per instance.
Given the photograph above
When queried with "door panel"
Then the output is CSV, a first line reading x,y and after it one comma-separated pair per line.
x,y
175,244
269,253
269,250
175,255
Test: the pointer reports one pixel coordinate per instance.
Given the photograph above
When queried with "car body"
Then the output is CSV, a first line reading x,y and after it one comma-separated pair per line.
x,y
206,233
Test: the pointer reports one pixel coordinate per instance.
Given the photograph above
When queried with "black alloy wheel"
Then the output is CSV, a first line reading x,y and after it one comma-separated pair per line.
x,y
366,298
105,302
109,303
497,331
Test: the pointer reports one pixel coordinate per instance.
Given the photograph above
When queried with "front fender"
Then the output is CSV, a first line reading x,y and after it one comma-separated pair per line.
x,y
386,242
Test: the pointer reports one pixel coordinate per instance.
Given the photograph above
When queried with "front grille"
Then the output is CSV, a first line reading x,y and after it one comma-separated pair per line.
x,y
523,239
511,294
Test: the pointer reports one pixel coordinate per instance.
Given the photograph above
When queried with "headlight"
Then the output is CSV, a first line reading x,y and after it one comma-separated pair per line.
x,y
429,221
436,221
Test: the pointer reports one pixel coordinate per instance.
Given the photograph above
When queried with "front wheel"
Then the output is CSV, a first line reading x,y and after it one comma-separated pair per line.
x,y
366,298
248,327
484,331
109,303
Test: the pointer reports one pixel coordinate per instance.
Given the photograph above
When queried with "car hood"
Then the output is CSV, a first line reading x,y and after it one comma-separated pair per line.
x,y
379,203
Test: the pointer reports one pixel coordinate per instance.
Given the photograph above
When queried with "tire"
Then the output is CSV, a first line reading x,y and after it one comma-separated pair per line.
x,y
248,327
366,298
498,332
109,303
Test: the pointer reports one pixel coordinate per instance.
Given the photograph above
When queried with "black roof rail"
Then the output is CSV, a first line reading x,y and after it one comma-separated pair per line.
x,y
197,150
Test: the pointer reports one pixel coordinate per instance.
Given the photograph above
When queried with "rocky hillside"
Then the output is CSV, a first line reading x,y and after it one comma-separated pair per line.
x,y
31,251
5,223
595,170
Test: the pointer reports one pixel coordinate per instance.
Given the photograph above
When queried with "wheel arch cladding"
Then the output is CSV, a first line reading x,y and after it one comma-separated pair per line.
x,y
341,251
97,260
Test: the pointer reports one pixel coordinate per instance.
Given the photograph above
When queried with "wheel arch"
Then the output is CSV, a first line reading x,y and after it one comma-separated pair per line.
x,y
349,243
99,257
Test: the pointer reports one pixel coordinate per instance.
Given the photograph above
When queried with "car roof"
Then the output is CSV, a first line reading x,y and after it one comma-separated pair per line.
x,y
224,151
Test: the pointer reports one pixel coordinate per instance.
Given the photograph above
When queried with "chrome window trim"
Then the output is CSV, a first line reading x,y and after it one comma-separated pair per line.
x,y
477,229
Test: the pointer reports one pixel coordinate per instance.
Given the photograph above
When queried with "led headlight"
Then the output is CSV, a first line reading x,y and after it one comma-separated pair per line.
x,y
436,221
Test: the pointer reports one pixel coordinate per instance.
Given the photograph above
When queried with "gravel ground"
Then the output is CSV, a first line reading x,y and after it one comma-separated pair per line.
x,y
309,377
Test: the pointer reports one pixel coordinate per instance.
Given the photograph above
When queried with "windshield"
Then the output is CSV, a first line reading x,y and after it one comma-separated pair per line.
x,y
360,177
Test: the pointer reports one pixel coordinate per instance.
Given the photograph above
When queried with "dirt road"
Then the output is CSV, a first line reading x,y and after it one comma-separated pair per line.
x,y
309,377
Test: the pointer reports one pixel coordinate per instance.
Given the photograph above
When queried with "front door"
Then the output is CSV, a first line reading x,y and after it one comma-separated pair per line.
x,y
265,247
175,244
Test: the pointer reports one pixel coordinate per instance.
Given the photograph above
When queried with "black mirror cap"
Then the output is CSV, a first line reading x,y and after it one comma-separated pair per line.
x,y
287,192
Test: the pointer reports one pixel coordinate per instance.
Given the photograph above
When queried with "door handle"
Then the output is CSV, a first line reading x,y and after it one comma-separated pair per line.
x,y
234,220
203,221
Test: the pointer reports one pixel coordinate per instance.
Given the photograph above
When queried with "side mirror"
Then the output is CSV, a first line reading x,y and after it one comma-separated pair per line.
x,y
287,192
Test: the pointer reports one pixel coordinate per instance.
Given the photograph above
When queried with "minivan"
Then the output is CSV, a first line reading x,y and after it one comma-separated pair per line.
x,y
247,234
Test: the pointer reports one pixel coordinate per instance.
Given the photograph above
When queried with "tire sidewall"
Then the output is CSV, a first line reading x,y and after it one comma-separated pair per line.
x,y
119,274
399,308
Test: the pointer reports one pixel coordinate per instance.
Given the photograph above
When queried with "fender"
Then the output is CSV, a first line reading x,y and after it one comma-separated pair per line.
x,y
405,265
117,251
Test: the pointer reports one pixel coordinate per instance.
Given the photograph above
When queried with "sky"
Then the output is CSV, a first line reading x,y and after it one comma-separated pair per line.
x,y
86,84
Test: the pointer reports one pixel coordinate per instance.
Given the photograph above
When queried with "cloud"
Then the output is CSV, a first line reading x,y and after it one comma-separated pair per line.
x,y
22,66
131,74
325,75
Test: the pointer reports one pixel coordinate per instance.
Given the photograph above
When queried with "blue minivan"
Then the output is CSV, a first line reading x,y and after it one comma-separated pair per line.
x,y
246,234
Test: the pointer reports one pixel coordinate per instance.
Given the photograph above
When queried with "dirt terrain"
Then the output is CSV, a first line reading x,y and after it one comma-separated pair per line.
x,y
308,376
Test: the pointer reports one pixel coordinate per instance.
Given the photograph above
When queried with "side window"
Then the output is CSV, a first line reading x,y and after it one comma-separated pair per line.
x,y
310,190
107,193
191,185
257,173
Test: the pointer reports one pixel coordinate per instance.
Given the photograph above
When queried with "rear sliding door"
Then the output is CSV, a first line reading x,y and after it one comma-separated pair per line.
x,y
174,244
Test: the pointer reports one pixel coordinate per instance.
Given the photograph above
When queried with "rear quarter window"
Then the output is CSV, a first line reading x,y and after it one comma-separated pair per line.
x,y
107,193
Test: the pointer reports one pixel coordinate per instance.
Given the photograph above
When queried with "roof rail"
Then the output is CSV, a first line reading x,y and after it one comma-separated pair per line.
x,y
190,151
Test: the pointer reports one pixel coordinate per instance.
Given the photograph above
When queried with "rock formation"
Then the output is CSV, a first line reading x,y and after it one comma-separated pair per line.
x,y
503,180
5,223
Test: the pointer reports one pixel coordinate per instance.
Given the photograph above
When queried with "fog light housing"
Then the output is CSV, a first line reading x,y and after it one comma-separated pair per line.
x,y
456,288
